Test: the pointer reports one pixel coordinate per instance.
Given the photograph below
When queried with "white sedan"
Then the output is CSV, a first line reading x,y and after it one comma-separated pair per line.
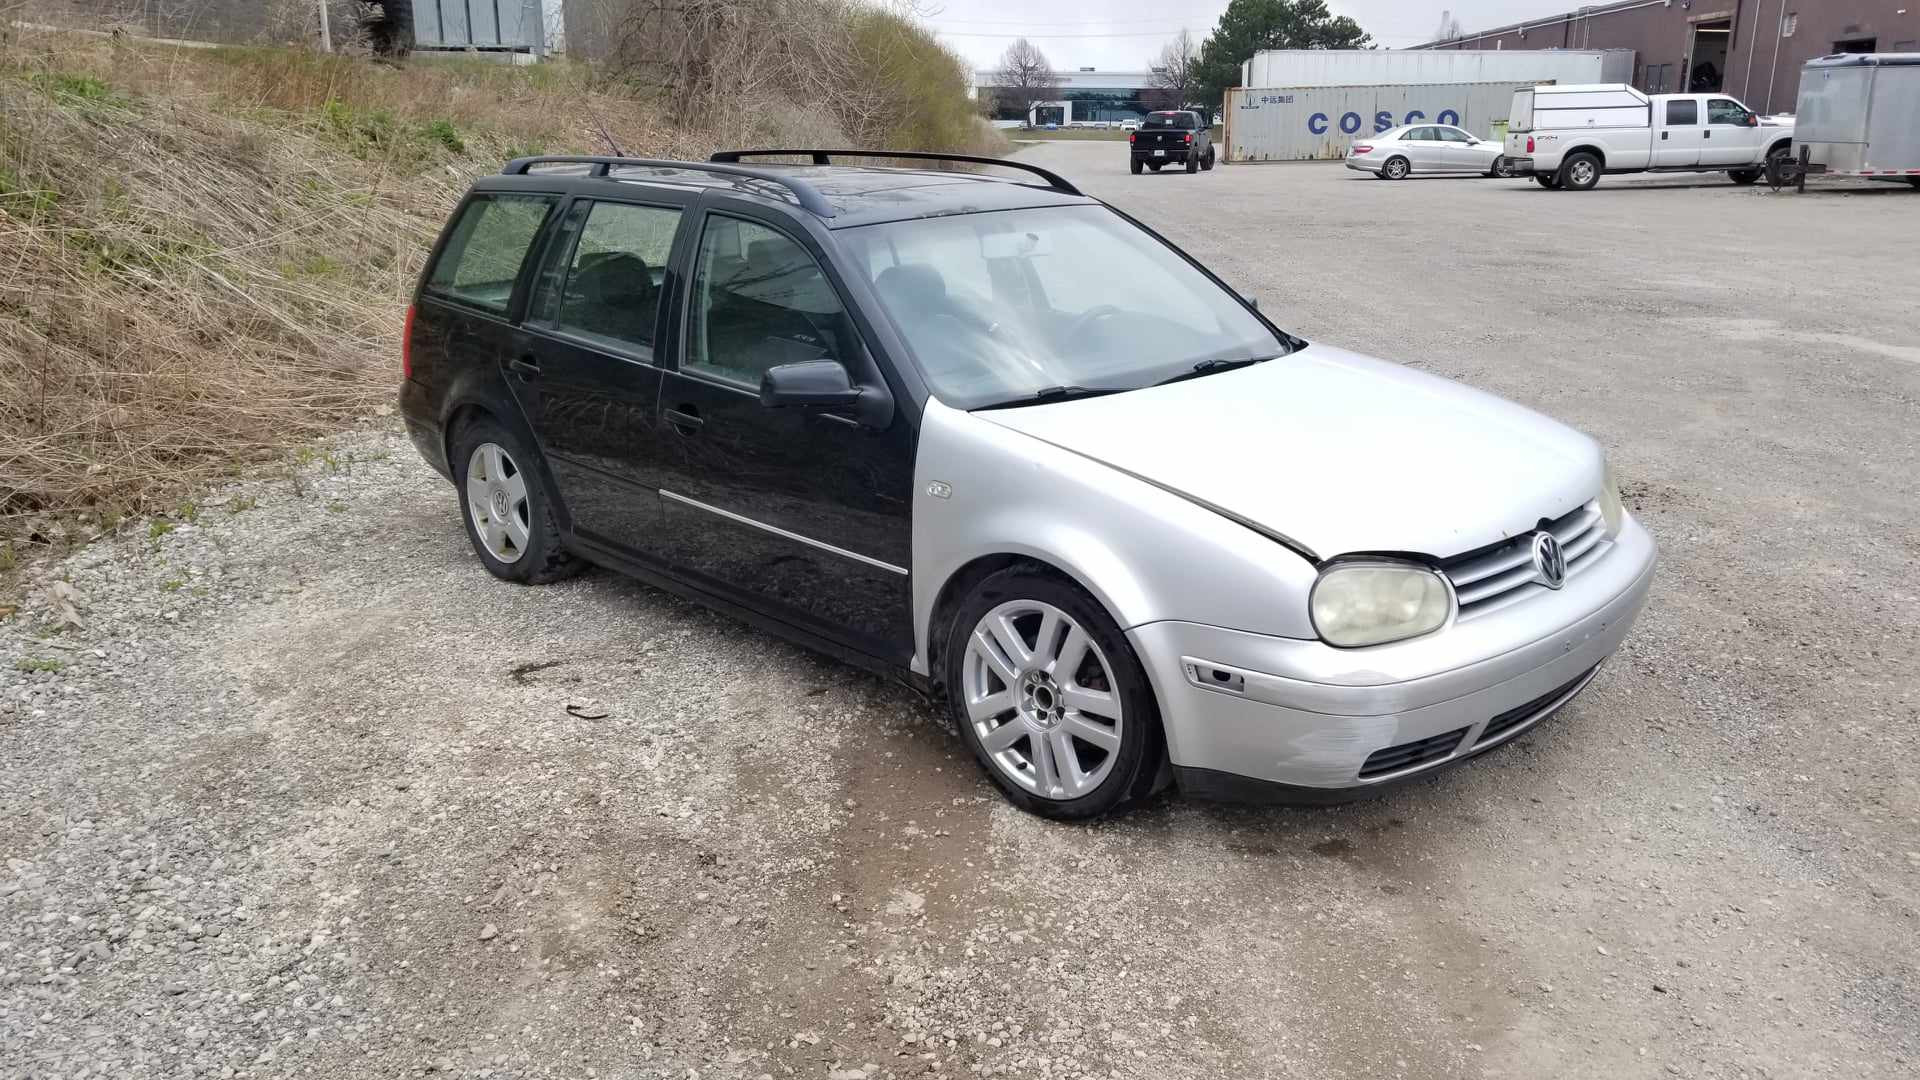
x,y
1400,152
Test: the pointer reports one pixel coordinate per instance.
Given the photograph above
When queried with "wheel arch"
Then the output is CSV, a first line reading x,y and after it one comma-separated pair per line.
x,y
1780,144
464,409
968,576
1586,148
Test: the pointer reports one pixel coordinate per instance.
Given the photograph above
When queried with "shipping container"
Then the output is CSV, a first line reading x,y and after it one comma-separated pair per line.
x,y
478,24
1305,123
1389,67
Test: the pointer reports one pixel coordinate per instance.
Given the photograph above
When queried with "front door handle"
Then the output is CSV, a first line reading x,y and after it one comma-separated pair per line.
x,y
524,367
685,419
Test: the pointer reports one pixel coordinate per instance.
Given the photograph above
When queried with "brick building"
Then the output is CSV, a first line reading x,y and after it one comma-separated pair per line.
x,y
1750,49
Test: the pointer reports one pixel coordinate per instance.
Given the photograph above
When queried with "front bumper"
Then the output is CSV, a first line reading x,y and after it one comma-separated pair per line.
x,y
1247,714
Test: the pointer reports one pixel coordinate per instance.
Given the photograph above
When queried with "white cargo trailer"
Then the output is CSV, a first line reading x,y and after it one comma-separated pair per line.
x,y
1433,67
1307,122
1859,115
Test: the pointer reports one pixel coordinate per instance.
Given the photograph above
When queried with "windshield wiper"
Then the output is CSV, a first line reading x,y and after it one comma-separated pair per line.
x,y
1057,393
1208,367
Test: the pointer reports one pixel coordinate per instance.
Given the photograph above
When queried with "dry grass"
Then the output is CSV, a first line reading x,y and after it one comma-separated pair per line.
x,y
205,253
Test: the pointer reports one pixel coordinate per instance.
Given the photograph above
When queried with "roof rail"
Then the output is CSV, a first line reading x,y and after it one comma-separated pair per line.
x,y
808,196
825,157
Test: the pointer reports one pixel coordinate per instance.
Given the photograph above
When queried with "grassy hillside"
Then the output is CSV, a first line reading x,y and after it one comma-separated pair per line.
x,y
205,253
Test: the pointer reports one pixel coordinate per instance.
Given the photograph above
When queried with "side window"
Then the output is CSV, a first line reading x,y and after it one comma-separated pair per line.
x,y
759,301
613,281
1418,134
483,256
1454,135
1726,111
1683,112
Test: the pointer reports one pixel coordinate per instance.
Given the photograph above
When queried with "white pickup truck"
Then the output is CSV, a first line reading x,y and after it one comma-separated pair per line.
x,y
1568,136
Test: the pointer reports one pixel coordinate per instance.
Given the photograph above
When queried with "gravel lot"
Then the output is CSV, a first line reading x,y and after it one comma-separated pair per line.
x,y
306,796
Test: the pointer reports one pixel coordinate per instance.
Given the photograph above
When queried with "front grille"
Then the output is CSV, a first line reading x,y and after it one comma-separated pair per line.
x,y
1521,714
1495,576
1407,755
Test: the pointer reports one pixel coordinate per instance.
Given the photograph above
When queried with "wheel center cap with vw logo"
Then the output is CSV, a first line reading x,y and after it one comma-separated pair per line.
x,y
1549,561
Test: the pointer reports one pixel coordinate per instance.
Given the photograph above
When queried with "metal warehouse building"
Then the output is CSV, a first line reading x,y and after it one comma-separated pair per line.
x,y
1750,49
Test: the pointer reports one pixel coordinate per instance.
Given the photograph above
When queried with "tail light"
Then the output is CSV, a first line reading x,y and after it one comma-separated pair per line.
x,y
1529,144
1131,136
1362,148
406,346
1189,136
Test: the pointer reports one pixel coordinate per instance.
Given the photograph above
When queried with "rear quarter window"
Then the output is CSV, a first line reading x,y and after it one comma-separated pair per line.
x,y
489,244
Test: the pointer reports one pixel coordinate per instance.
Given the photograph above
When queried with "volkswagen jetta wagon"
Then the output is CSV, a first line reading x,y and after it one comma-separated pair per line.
x,y
1002,440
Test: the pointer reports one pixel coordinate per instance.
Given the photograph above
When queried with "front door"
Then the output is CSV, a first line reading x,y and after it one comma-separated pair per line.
x,y
1677,143
803,515
585,372
1729,140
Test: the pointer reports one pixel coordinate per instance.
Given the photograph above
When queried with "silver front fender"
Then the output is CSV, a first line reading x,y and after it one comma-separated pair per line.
x,y
1147,554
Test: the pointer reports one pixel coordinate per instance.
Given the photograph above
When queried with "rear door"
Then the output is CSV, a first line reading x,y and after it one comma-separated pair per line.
x,y
1679,136
1727,139
1420,147
464,320
586,370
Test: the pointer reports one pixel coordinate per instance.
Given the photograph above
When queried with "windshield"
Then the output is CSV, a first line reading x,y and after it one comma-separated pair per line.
x,y
1000,306
1185,120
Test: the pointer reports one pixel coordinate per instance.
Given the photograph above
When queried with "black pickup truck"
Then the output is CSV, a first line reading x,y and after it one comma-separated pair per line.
x,y
1169,137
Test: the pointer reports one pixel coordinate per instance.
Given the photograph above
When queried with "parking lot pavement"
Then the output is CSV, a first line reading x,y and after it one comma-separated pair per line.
x,y
306,794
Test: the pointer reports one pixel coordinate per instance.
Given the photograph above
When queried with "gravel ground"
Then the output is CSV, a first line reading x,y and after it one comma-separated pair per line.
x,y
307,793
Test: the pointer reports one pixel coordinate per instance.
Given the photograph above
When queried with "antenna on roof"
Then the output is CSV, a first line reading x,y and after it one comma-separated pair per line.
x,y
605,136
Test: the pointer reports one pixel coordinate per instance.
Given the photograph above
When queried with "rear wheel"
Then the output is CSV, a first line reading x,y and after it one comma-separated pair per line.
x,y
1501,167
1915,181
505,506
1136,166
1580,172
1551,183
1193,162
1396,168
1050,697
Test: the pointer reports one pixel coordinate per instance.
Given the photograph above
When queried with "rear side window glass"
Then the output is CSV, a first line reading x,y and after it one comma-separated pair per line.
x,y
614,280
1683,113
483,256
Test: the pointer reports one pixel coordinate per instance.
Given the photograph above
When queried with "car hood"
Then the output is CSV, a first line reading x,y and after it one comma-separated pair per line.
x,y
1336,452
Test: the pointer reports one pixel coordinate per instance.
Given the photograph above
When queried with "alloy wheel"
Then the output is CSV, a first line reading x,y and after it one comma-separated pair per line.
x,y
497,502
1396,169
1041,698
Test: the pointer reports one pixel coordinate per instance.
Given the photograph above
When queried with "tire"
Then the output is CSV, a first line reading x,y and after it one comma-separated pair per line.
x,y
1579,172
1500,168
1019,704
1396,168
512,530
1135,165
1193,162
1207,162
1743,177
1551,183
1915,181
1155,165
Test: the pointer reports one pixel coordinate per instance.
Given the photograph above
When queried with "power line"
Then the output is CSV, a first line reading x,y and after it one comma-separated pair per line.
x,y
1143,33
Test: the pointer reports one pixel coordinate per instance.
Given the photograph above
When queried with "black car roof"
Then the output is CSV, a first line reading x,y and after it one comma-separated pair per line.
x,y
842,196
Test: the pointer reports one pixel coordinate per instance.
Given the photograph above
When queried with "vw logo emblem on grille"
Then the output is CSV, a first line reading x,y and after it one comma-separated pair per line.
x,y
1549,562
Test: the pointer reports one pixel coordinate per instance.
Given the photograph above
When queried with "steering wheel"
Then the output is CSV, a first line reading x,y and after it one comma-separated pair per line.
x,y
1087,318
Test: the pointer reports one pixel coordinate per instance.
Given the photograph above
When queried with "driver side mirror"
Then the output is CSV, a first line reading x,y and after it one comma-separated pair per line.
x,y
825,385
1753,119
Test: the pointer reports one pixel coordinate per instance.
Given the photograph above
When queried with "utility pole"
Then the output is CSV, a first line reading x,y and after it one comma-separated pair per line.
x,y
326,32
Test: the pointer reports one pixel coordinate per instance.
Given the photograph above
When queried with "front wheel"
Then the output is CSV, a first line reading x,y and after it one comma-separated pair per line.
x,y
1743,177
1580,172
505,506
1207,162
1048,694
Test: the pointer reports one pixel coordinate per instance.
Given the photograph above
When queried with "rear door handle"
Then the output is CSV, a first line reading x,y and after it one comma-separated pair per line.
x,y
524,367
687,421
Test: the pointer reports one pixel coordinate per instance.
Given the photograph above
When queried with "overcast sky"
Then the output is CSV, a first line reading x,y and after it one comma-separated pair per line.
x,y
1125,34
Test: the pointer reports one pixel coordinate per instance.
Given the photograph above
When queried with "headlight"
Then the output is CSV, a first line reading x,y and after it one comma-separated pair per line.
x,y
1367,603
1612,511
